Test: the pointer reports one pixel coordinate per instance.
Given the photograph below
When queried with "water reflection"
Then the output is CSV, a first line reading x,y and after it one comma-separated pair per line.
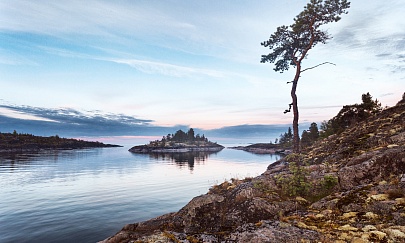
x,y
50,155
88,195
183,159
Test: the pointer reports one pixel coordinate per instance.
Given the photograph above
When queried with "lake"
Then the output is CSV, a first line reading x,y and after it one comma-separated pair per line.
x,y
88,195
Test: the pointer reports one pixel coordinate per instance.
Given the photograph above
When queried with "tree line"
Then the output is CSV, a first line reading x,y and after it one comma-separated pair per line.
x,y
348,116
181,137
21,141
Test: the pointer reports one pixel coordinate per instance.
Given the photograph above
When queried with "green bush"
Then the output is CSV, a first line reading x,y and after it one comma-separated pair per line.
x,y
297,184
328,182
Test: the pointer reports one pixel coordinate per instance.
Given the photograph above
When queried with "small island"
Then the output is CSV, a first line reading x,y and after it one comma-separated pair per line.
x,y
180,142
22,142
282,146
264,148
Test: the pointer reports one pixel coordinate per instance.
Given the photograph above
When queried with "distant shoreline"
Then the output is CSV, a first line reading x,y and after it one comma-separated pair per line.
x,y
264,148
15,142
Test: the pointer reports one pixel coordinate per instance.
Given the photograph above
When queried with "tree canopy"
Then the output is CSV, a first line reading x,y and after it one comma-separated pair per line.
x,y
286,139
309,136
290,44
182,137
351,114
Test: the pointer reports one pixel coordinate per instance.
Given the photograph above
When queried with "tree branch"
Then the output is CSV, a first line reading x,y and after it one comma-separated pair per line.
x,y
289,108
317,66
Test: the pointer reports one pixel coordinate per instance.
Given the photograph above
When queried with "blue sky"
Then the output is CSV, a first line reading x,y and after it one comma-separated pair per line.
x,y
192,63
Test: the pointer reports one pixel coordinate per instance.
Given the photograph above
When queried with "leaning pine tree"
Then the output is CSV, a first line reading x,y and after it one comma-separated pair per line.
x,y
289,45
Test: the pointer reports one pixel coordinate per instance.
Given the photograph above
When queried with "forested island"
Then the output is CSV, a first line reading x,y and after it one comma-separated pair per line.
x,y
179,142
17,142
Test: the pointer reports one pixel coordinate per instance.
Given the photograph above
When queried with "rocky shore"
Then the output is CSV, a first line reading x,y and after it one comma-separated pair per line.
x,y
175,149
349,187
264,148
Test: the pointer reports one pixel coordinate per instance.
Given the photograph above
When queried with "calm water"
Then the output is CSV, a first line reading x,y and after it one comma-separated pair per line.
x,y
88,195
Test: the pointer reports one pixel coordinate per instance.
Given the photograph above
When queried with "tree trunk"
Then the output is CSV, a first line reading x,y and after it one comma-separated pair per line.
x,y
296,138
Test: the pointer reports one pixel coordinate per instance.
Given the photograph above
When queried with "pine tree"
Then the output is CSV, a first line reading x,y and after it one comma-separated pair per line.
x,y
290,45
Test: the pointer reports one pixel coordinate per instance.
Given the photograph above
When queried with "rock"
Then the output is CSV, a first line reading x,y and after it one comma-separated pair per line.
x,y
272,231
304,226
347,227
379,197
349,215
377,235
371,215
319,216
399,227
395,234
368,228
301,200
400,201
358,240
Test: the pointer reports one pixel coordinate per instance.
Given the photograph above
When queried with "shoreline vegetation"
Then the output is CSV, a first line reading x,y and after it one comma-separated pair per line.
x,y
23,142
180,142
264,148
282,146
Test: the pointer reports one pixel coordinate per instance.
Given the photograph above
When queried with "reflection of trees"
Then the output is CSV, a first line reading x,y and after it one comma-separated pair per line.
x,y
26,158
183,159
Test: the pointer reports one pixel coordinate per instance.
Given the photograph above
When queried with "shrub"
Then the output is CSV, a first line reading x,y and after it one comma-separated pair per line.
x,y
328,182
297,183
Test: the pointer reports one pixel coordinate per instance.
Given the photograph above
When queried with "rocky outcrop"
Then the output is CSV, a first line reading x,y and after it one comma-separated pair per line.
x,y
349,188
264,148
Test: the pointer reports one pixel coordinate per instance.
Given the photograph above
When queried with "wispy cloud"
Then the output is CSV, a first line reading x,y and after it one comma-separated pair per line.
x,y
375,31
11,58
387,94
145,66
97,18
167,69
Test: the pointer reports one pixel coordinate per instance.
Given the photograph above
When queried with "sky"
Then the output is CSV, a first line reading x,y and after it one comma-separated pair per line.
x,y
172,63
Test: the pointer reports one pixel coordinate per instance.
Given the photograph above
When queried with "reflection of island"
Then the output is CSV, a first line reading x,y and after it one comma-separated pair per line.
x,y
180,142
182,159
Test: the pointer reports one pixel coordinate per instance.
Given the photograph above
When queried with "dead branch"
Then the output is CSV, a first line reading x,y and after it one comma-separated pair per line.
x,y
317,66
